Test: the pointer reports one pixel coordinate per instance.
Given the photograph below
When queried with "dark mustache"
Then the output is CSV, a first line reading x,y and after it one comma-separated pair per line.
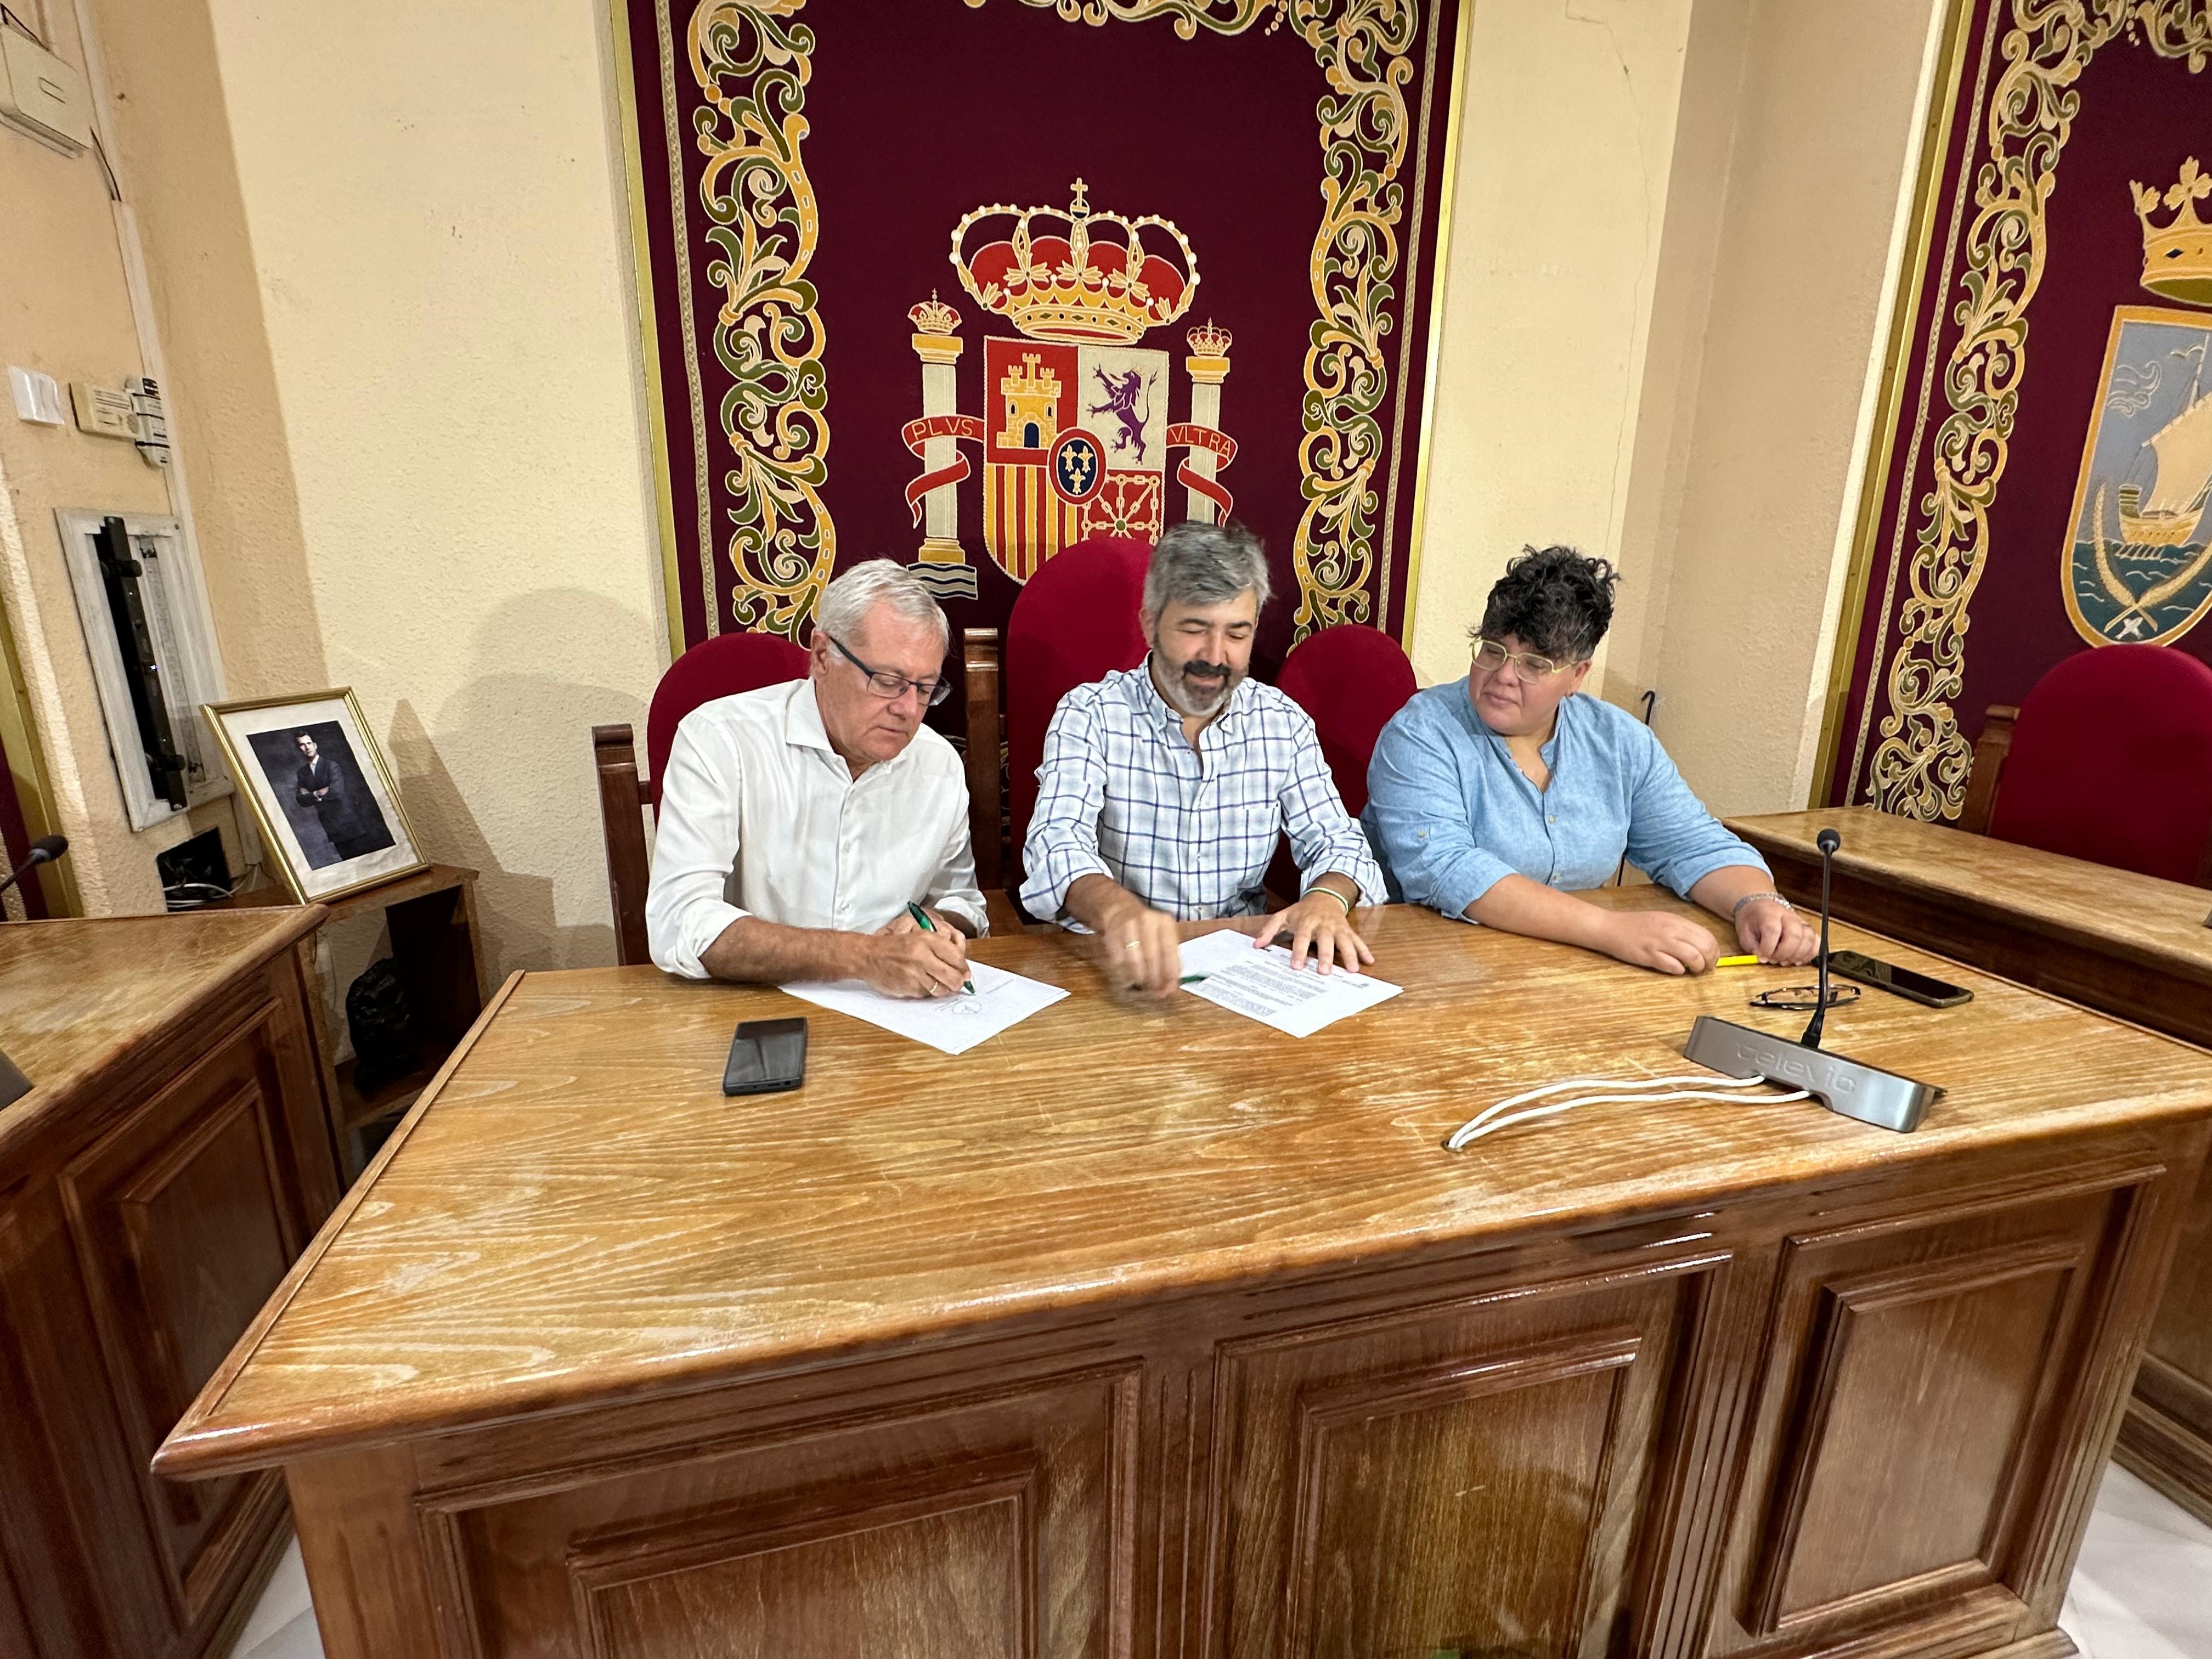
x,y
1214,670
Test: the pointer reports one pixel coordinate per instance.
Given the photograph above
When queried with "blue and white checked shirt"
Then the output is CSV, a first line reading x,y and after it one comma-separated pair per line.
x,y
1190,831
1451,813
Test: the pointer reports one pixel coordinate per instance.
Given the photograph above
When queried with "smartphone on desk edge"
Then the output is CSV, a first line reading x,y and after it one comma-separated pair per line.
x,y
1901,981
766,1056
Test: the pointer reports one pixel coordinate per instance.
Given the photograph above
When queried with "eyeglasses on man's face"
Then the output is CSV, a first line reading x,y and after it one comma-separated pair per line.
x,y
891,687
1490,657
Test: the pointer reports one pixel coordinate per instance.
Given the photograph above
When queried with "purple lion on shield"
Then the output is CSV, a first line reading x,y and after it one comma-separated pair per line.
x,y
1122,394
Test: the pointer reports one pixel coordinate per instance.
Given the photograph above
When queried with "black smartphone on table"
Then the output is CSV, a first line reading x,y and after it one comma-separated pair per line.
x,y
1901,981
766,1056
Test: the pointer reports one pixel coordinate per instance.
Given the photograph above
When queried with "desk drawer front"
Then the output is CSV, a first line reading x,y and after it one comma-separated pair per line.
x,y
1476,1477
991,1526
186,1215
1921,1374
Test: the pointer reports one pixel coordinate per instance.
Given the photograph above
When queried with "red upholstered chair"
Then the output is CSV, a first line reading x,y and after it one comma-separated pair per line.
x,y
1075,621
1352,679
719,667
2109,759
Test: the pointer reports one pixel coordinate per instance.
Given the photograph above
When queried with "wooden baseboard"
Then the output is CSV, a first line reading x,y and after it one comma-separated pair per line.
x,y
2165,1455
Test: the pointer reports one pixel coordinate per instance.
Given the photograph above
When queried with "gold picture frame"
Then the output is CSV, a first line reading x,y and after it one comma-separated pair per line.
x,y
348,834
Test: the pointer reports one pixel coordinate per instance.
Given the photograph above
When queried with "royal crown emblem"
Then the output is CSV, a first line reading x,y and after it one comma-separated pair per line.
x,y
1075,274
1077,431
2178,254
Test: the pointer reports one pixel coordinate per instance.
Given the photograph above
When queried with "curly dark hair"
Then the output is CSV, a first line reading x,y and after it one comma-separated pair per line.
x,y
1556,602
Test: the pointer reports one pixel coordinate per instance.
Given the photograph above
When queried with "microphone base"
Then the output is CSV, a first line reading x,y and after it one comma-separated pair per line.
x,y
1884,1099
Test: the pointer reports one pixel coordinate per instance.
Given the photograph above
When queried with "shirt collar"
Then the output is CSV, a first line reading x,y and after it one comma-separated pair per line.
x,y
802,719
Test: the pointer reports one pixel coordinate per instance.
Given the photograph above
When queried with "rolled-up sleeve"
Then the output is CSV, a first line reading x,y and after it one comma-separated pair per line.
x,y
1325,839
694,850
1062,843
1671,836
1421,819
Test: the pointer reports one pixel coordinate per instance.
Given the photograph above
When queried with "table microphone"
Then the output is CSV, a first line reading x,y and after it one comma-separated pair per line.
x,y
45,850
1827,840
1888,1100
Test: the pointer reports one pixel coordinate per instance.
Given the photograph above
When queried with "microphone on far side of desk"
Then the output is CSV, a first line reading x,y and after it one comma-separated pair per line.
x,y
45,850
1888,1100
1827,840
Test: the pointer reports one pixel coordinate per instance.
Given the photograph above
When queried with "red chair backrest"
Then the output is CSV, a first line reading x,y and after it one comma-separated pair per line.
x,y
719,667
1352,678
1076,621
2111,761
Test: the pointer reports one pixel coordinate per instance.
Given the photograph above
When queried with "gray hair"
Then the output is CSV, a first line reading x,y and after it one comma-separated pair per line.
x,y
846,603
1205,564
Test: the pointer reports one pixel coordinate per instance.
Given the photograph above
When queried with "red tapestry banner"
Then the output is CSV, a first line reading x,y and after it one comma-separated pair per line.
x,y
964,281
2043,456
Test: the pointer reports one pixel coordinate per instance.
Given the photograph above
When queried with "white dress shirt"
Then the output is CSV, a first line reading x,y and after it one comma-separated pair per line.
x,y
760,817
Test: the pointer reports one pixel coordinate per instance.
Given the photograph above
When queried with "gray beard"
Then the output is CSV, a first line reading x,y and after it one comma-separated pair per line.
x,y
1186,701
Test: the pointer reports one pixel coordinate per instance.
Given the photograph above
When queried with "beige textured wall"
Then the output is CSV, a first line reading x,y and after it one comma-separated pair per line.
x,y
1566,137
1751,573
437,256
1669,256
171,128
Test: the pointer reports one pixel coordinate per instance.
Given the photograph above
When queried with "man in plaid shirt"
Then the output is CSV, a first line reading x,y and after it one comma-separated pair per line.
x,y
1164,787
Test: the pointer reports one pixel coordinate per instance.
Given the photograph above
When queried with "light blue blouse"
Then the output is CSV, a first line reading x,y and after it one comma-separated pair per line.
x,y
1449,813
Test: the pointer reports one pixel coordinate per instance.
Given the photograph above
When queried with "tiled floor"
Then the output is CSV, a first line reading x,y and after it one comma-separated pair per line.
x,y
2142,1590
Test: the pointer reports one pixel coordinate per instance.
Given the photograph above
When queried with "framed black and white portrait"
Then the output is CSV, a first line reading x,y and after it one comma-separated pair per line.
x,y
327,808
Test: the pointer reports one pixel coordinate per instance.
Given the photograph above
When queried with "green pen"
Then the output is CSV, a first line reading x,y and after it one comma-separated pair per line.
x,y
921,920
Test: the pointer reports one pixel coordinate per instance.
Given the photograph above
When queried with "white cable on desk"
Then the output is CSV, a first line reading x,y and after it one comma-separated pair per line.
x,y
1487,1122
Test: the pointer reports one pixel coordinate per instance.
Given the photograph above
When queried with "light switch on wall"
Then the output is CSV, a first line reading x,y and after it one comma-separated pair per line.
x,y
38,398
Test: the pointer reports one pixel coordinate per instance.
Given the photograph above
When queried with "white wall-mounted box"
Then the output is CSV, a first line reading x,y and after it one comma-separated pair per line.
x,y
41,95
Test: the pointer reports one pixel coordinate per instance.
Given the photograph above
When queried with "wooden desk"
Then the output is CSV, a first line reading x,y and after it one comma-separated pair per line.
x,y
1143,1330
2130,945
170,1161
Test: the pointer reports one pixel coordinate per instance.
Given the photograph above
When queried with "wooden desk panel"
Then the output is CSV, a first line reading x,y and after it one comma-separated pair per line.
x,y
169,1163
2133,946
1145,1330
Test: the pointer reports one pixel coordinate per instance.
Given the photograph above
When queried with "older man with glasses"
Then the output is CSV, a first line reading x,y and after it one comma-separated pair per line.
x,y
1165,787
799,821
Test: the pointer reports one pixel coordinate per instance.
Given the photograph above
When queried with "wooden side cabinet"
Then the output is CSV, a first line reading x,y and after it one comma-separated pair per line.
x,y
430,918
172,1159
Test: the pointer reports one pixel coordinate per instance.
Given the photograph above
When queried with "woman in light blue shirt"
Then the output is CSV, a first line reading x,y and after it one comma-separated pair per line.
x,y
1498,796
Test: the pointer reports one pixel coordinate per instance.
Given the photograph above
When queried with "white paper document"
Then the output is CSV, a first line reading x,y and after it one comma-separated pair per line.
x,y
952,1026
1263,985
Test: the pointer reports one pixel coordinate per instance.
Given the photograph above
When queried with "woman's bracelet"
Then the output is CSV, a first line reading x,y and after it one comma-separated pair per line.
x,y
1331,891
1770,894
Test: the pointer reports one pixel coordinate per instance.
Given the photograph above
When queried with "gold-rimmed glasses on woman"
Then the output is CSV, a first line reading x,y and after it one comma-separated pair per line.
x,y
1490,657
891,687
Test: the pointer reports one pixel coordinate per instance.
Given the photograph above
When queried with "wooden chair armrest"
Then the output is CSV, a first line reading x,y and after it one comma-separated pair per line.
x,y
1990,751
622,798
986,807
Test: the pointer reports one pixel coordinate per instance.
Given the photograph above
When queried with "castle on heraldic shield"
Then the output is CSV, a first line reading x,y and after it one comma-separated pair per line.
x,y
1075,429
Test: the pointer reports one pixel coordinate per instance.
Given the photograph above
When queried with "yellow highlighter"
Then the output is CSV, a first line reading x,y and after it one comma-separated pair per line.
x,y
1737,961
